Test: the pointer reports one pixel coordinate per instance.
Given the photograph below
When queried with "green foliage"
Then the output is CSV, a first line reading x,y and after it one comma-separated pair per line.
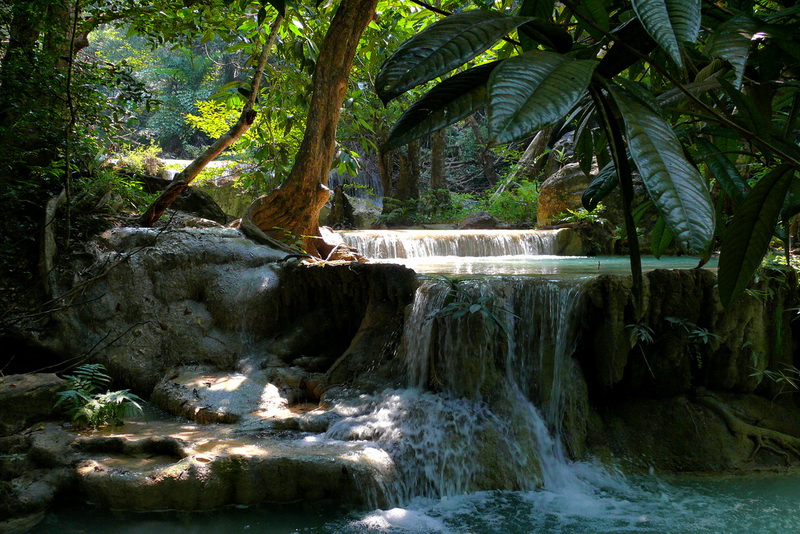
x,y
141,158
789,376
516,205
460,303
697,336
640,333
582,215
433,207
630,106
83,402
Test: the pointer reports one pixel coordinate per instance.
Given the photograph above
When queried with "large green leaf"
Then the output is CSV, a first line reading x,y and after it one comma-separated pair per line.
x,y
669,22
685,18
731,42
600,187
532,91
660,237
440,48
723,169
749,233
450,101
675,186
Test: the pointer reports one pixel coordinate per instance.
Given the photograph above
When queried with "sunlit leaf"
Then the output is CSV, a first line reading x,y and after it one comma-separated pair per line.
x,y
450,101
440,48
660,238
532,91
675,186
749,233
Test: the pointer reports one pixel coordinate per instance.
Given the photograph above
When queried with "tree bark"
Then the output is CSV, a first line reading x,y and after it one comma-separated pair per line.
x,y
438,148
246,119
408,180
293,208
487,162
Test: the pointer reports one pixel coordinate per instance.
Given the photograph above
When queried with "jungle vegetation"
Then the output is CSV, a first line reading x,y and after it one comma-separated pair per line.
x,y
698,99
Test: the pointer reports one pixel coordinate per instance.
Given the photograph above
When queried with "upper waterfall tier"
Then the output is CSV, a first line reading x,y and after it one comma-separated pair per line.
x,y
386,244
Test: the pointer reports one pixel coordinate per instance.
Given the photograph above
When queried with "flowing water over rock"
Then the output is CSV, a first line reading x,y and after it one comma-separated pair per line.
x,y
482,415
384,244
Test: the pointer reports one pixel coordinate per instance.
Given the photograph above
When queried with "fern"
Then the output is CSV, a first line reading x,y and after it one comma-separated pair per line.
x,y
86,407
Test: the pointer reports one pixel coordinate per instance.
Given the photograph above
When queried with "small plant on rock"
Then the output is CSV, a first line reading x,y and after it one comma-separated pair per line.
x,y
87,407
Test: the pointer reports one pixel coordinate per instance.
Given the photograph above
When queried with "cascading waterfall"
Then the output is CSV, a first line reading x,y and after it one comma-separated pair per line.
x,y
428,243
488,346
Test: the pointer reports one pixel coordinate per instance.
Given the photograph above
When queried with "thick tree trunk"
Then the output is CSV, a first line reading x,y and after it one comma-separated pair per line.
x,y
293,209
487,161
408,180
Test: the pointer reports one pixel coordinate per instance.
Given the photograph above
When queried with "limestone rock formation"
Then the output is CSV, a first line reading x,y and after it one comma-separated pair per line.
x,y
27,399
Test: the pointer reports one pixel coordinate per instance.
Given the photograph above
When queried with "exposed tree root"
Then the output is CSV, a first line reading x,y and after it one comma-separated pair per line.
x,y
779,443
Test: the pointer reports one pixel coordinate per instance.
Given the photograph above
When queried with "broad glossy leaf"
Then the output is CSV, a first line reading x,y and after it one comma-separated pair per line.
x,y
749,233
280,5
675,186
600,187
450,101
440,48
660,237
749,111
655,18
685,18
723,170
532,91
584,140
731,42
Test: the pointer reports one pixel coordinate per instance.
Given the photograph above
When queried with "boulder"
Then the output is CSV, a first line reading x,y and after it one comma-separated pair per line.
x,y
561,192
480,220
28,399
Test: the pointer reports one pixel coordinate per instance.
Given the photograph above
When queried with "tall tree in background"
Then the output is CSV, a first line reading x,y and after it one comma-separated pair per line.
x,y
293,208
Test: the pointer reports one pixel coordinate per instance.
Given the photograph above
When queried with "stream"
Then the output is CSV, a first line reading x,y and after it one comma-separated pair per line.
x,y
445,446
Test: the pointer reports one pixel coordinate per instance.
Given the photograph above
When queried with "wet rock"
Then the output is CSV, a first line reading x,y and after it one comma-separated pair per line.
x,y
36,467
695,341
222,468
27,399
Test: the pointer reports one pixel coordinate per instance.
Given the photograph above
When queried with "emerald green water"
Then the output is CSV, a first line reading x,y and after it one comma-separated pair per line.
x,y
605,503
557,267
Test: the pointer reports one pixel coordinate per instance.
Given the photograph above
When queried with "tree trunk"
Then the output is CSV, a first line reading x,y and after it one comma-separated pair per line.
x,y
487,161
530,163
246,119
293,208
438,182
386,169
408,181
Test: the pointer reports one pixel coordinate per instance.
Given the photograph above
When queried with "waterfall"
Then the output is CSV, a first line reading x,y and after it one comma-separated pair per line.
x,y
426,243
492,348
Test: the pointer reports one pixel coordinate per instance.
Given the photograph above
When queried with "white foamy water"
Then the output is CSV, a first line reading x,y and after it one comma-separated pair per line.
x,y
385,244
